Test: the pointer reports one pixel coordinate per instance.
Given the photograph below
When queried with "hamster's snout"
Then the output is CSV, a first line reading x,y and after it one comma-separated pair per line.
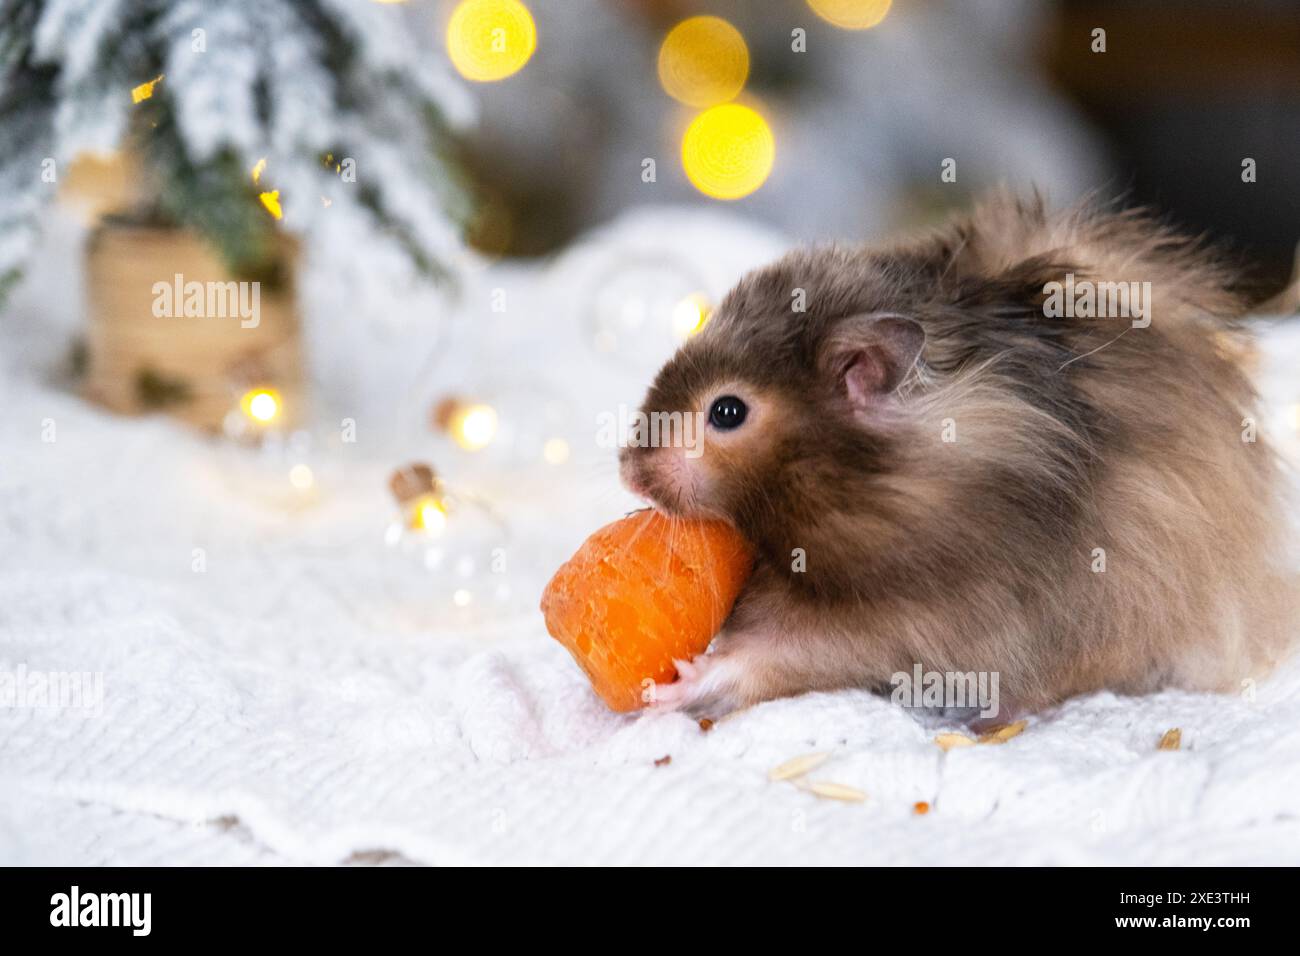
x,y
662,476
631,474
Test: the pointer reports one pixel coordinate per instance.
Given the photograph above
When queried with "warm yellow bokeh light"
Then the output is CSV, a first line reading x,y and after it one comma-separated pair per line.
x,y
261,404
474,426
489,40
301,477
703,61
429,515
689,315
851,14
728,151
555,451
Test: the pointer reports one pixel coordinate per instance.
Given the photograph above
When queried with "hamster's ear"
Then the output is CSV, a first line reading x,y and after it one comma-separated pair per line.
x,y
870,355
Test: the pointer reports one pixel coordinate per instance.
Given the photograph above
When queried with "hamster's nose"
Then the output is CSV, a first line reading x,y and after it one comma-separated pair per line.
x,y
632,477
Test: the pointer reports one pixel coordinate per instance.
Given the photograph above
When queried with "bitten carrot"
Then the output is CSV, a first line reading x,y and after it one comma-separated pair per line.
x,y
641,592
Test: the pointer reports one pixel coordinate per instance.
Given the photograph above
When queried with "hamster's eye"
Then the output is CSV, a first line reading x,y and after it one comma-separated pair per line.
x,y
728,412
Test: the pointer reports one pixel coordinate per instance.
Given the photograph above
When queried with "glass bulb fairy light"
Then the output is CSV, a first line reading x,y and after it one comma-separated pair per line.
x,y
690,315
261,405
259,409
263,457
643,307
473,426
448,552
511,425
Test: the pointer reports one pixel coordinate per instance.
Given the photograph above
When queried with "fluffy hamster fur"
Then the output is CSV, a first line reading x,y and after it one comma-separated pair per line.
x,y
948,460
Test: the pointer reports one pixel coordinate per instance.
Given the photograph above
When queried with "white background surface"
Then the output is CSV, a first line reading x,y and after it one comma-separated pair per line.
x,y
291,704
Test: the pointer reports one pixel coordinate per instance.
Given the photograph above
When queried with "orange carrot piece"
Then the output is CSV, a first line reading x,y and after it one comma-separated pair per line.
x,y
641,592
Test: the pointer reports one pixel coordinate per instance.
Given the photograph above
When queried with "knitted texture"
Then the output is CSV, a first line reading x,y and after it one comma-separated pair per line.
x,y
272,707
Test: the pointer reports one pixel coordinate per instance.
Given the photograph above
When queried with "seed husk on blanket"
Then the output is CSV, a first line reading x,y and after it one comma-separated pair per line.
x,y
1000,735
664,761
1172,740
832,791
797,766
948,741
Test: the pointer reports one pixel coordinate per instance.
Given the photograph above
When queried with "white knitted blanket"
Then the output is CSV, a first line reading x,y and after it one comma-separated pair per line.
x,y
276,707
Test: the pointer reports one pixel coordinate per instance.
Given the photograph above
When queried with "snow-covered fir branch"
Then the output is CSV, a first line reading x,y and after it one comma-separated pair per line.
x,y
351,114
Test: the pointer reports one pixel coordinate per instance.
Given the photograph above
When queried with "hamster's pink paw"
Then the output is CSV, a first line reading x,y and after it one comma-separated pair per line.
x,y
702,684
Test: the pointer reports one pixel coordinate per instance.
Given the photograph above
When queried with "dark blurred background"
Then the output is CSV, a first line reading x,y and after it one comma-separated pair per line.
x,y
1186,90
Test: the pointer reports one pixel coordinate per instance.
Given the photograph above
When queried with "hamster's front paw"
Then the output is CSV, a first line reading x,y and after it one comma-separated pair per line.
x,y
704,686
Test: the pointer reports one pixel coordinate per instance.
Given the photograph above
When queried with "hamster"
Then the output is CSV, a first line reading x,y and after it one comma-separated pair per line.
x,y
945,457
